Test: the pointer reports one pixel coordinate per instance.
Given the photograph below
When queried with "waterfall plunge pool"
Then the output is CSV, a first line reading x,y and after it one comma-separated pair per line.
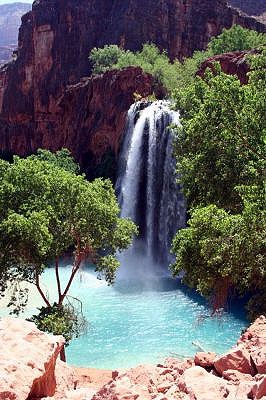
x,y
133,323
146,316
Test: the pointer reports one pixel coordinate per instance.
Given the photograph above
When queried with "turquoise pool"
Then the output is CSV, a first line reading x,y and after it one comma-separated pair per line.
x,y
130,323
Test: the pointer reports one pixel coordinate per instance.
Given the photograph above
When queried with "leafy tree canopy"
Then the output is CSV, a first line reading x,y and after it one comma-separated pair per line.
x,y
176,74
150,59
220,152
220,251
47,210
236,38
221,143
62,159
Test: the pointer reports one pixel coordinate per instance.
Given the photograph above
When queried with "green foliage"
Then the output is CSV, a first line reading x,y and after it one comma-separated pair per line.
x,y
60,320
150,59
236,38
186,70
45,211
176,74
221,143
218,245
103,58
220,152
62,159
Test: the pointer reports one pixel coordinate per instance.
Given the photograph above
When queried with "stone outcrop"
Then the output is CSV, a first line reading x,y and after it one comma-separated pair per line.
x,y
27,360
29,371
205,360
238,359
233,63
88,118
54,43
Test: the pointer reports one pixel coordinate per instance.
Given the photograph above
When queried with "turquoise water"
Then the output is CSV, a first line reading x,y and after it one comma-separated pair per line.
x,y
130,324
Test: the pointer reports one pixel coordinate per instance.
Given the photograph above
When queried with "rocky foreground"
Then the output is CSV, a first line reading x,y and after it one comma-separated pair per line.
x,y
30,369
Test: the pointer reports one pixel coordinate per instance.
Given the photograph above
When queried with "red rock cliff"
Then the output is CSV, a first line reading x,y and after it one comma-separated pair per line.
x,y
88,118
54,43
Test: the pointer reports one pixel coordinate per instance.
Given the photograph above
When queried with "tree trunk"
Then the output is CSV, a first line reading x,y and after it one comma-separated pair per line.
x,y
72,276
63,354
37,284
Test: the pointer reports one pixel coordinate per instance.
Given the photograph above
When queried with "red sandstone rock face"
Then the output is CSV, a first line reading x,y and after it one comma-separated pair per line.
x,y
204,360
89,118
237,359
231,63
27,360
54,43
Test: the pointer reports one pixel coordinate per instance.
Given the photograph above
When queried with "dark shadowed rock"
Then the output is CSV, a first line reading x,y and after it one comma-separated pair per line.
x,y
88,118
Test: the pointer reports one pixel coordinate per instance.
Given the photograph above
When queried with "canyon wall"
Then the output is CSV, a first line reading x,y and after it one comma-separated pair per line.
x,y
54,43
88,118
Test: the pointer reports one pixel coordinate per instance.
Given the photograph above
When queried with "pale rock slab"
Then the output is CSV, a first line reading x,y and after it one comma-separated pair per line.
x,y
27,360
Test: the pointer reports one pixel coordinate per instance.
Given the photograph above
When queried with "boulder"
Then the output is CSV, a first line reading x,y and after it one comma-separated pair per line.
x,y
27,360
236,376
259,389
204,386
136,383
204,359
259,359
236,359
244,391
177,365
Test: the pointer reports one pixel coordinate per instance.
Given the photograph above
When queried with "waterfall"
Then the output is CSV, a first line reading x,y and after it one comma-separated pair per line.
x,y
146,184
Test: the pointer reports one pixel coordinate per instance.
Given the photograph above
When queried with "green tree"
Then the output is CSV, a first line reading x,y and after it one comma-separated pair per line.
x,y
236,39
220,151
176,74
150,59
220,252
46,211
103,58
221,143
61,158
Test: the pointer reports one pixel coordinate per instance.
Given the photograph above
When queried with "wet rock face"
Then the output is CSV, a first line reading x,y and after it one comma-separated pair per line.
x,y
54,43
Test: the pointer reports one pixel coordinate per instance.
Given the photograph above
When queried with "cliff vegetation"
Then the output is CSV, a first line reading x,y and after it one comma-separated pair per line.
x,y
174,74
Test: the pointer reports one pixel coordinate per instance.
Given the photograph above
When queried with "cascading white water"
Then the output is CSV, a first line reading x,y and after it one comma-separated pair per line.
x,y
146,185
